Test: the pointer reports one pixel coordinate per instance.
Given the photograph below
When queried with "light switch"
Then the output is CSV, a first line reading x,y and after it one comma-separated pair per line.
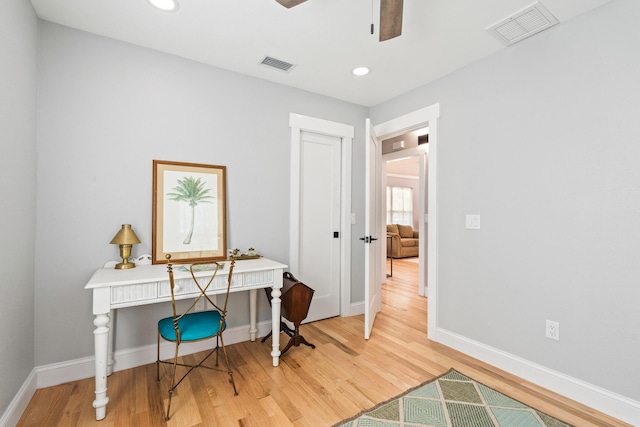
x,y
353,218
473,222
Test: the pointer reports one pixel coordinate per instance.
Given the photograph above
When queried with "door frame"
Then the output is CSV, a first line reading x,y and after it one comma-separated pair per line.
x,y
427,116
300,123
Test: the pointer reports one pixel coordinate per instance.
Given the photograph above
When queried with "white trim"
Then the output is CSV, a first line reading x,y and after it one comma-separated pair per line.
x,y
432,234
598,398
356,308
78,369
595,397
64,372
299,123
20,401
319,125
408,122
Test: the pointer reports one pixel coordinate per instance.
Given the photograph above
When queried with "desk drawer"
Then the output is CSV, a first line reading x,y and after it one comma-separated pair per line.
x,y
133,293
188,286
258,277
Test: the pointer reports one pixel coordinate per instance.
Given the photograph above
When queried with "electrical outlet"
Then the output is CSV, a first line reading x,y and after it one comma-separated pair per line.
x,y
472,222
552,330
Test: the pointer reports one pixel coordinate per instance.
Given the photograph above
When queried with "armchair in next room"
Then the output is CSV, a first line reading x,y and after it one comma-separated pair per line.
x,y
404,241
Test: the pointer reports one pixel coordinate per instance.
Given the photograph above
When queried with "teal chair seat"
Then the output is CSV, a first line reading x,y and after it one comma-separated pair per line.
x,y
193,326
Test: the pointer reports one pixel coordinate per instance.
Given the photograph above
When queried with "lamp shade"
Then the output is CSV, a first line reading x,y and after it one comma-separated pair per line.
x,y
125,236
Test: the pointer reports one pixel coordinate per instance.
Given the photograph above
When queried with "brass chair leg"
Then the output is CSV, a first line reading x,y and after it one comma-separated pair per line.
x,y
167,418
158,361
217,348
173,382
229,371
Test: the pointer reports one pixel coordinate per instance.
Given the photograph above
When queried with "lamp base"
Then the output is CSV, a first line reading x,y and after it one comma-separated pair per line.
x,y
125,265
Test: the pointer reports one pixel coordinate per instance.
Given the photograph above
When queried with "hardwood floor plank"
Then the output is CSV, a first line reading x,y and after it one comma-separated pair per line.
x,y
342,376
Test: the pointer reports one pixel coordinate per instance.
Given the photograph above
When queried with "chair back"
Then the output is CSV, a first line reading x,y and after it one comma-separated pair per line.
x,y
194,268
223,309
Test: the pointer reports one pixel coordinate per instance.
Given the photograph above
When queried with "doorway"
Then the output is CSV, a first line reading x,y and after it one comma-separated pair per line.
x,y
415,120
405,170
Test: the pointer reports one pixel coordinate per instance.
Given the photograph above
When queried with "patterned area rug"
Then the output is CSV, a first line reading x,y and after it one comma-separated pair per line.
x,y
452,400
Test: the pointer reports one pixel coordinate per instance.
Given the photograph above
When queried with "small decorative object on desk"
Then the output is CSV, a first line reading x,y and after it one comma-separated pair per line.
x,y
250,254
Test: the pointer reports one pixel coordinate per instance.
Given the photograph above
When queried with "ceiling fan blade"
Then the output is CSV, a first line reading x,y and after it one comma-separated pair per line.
x,y
390,19
290,3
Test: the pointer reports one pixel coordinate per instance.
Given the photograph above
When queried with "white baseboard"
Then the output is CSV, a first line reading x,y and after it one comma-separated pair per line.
x,y
595,397
20,401
355,309
78,369
605,401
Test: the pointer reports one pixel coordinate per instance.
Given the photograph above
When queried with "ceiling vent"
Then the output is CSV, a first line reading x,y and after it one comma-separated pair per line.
x,y
525,23
277,64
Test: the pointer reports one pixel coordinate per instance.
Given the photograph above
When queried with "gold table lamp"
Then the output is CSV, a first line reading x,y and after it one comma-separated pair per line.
x,y
126,238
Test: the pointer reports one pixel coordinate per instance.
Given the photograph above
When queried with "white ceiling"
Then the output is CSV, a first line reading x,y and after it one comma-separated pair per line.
x,y
404,167
325,39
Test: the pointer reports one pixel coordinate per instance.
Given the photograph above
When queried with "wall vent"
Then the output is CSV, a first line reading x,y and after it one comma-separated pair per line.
x,y
398,145
277,64
525,23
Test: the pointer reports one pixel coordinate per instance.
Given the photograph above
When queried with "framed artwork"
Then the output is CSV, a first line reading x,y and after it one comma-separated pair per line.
x,y
189,212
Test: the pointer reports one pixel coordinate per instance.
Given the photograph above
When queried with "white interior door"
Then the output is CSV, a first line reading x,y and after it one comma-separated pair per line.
x,y
373,230
319,222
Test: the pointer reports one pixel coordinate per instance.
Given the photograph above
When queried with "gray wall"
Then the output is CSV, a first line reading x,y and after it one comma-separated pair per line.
x,y
106,110
542,140
18,50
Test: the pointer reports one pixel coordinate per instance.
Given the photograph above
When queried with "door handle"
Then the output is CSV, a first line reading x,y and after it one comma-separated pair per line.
x,y
368,239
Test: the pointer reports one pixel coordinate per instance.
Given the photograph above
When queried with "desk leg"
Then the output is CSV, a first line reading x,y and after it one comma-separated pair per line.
x,y
101,337
112,316
275,324
253,328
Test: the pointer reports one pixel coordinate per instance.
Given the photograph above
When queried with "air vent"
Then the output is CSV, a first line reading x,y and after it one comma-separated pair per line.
x,y
277,64
525,23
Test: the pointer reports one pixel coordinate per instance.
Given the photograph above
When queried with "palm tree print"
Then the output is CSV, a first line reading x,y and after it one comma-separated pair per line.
x,y
192,191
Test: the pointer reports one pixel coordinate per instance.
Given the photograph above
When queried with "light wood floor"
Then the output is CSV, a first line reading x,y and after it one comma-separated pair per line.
x,y
342,376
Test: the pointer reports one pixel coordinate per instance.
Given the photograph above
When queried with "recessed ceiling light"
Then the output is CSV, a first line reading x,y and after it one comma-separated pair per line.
x,y
166,5
361,71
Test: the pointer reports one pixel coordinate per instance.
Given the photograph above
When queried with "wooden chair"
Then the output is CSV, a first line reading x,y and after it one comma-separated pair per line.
x,y
296,300
191,326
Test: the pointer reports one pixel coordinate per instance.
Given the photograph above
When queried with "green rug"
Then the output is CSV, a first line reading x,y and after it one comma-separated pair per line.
x,y
452,400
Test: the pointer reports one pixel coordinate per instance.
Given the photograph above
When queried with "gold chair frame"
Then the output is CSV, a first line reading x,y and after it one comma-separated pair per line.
x,y
176,318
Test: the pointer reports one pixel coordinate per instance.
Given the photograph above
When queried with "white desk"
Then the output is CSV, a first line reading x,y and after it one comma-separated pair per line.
x,y
149,284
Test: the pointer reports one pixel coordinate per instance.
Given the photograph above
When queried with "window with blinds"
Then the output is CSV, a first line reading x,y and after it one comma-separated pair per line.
x,y
400,205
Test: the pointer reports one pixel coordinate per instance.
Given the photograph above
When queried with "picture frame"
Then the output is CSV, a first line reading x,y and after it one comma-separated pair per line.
x,y
189,212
